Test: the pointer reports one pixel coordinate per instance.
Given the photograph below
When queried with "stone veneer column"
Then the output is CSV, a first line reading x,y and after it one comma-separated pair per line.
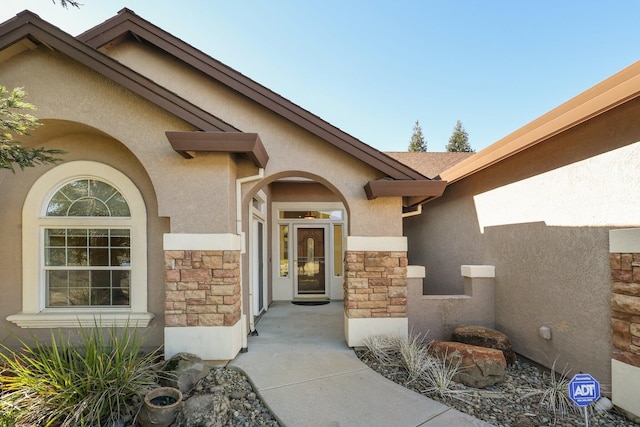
x,y
375,287
624,259
203,307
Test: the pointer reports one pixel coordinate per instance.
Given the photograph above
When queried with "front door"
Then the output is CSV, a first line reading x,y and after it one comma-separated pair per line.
x,y
310,258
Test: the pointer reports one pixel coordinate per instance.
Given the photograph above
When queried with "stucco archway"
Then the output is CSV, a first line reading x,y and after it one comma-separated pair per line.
x,y
288,192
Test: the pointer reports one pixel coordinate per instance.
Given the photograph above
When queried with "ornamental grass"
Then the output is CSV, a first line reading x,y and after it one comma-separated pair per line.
x,y
95,382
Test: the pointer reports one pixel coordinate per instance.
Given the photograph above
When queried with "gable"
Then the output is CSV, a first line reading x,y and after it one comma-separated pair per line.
x,y
127,24
27,30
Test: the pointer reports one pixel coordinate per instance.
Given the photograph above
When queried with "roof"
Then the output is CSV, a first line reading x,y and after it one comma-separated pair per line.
x,y
606,95
26,29
429,164
27,26
126,22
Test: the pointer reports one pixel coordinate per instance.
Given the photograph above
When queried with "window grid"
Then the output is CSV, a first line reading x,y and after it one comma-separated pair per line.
x,y
87,266
88,198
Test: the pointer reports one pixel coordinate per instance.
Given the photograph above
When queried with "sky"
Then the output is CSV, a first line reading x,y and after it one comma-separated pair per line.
x,y
372,68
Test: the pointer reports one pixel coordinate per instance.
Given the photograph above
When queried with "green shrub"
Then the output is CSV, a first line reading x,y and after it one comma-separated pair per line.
x,y
8,415
94,383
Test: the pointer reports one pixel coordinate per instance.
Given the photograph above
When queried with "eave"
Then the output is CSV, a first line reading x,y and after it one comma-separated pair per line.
x,y
413,192
606,95
188,143
28,26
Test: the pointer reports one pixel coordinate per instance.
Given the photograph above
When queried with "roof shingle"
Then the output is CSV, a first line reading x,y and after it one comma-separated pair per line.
x,y
427,163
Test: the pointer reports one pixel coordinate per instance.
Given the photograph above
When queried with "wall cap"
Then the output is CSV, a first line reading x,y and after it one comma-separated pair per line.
x,y
624,240
478,271
416,272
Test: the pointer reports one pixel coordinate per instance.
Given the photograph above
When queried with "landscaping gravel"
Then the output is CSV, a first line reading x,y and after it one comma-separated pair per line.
x,y
247,409
505,404
502,405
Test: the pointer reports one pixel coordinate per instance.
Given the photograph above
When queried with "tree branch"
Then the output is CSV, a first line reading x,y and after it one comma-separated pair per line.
x,y
67,3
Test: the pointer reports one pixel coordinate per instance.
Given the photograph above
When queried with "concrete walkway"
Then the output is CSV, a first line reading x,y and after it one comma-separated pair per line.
x,y
304,371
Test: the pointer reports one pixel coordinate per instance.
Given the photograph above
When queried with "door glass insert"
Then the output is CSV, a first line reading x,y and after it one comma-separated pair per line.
x,y
311,261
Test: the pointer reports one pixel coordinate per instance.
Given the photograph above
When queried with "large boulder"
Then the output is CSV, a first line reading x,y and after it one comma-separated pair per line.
x,y
186,370
485,337
479,366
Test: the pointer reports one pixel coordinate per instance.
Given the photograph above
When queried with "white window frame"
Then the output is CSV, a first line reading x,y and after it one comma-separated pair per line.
x,y
258,214
34,220
283,287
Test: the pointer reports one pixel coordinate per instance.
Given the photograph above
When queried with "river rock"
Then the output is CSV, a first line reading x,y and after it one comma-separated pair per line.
x,y
205,410
479,366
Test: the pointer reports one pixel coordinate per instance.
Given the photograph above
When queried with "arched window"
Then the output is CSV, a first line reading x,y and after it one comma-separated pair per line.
x,y
87,266
84,249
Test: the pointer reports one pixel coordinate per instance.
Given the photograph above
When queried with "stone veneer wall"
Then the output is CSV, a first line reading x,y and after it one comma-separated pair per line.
x,y
202,288
625,307
375,284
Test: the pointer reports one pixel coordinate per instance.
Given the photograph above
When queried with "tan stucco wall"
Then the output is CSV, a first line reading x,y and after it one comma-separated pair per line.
x,y
300,192
81,143
65,90
290,148
546,214
197,195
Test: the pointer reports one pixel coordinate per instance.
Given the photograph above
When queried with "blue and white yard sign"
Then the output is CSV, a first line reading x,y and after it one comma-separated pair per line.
x,y
584,389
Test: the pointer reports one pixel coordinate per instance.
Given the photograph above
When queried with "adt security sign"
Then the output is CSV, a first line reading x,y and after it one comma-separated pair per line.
x,y
584,389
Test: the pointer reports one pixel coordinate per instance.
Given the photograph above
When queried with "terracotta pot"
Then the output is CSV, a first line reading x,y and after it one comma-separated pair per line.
x,y
161,406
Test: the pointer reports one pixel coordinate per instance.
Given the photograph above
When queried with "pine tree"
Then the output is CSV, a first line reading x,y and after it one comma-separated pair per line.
x,y
459,140
417,144
15,122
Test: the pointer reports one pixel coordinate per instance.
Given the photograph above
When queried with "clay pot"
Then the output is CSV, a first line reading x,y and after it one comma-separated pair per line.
x,y
161,406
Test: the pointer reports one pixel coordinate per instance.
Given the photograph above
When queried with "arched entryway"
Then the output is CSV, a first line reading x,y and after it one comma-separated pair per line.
x,y
296,225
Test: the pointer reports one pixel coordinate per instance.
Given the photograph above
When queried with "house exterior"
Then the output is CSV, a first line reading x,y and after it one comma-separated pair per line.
x,y
190,196
553,207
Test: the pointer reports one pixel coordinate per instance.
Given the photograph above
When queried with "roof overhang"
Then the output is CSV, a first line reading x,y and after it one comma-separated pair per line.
x,y
189,143
606,95
27,26
413,192
27,31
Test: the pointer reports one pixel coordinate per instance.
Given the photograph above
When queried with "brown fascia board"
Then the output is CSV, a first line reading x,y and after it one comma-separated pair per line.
x,y
604,96
29,25
128,22
230,142
414,191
